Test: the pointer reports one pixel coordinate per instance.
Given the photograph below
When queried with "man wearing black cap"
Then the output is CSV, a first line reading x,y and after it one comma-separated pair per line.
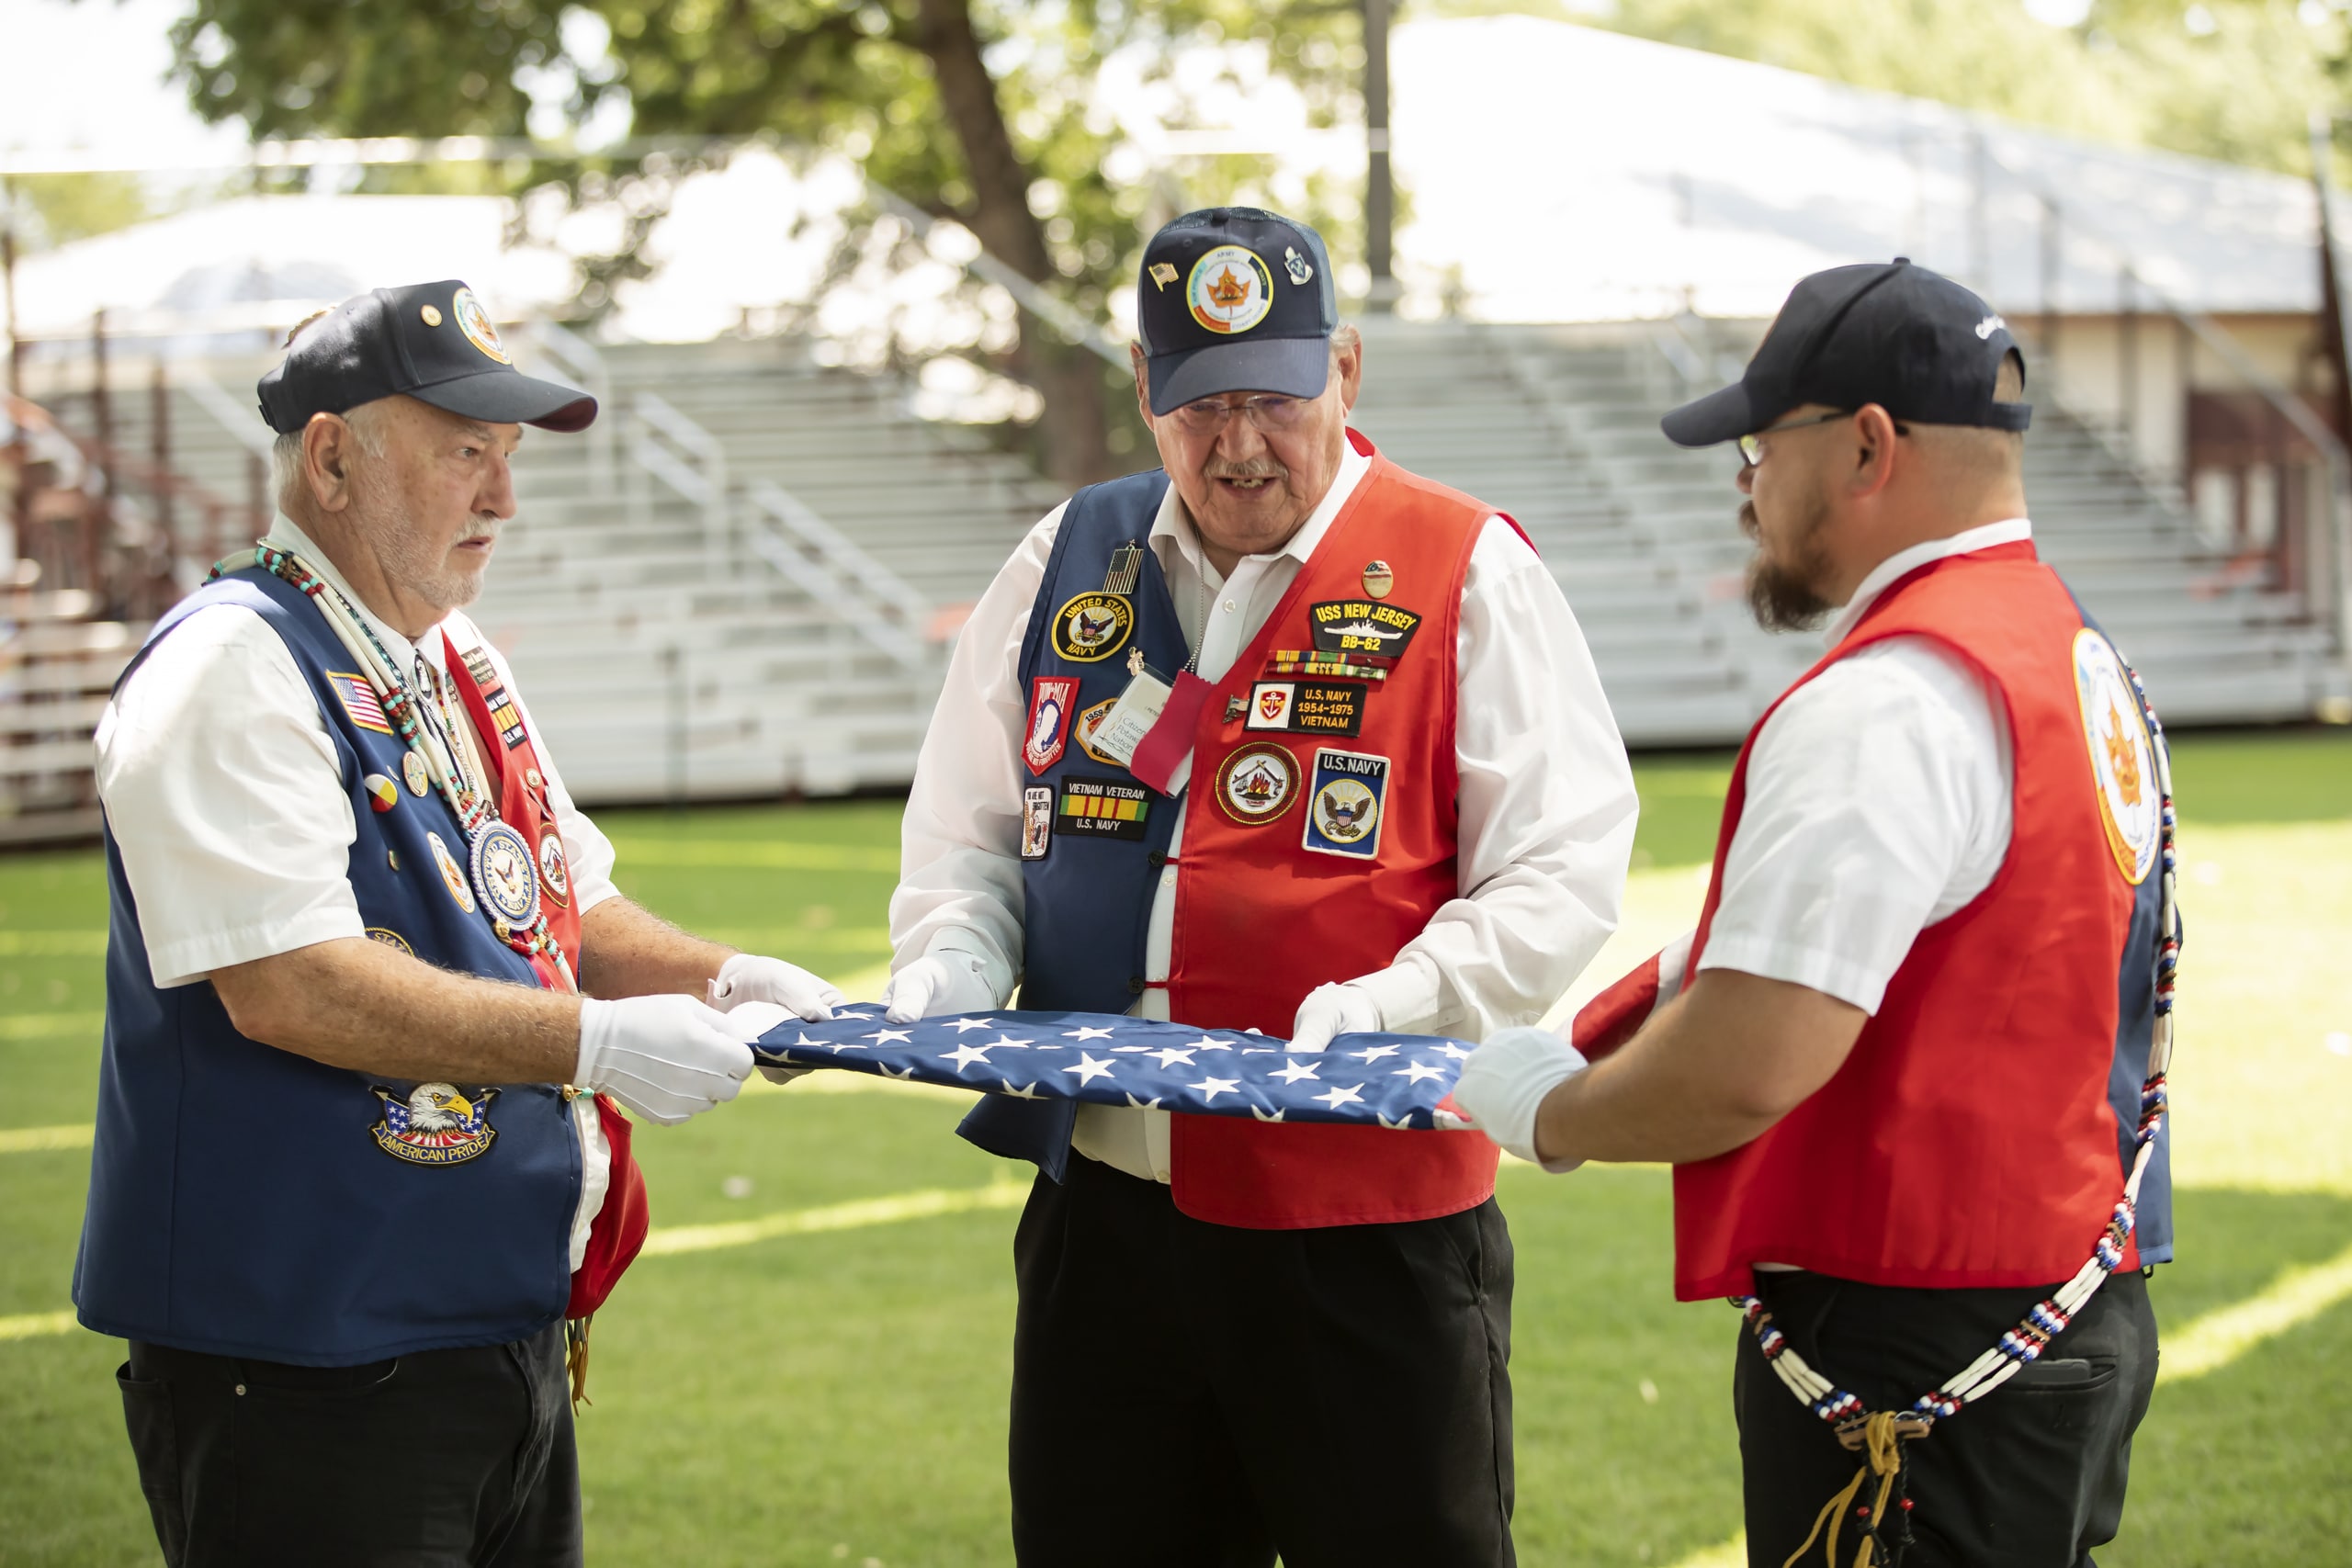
x,y
367,957
1919,1055
1274,737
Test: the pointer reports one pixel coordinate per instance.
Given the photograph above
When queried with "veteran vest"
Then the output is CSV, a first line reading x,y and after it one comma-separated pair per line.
x,y
1978,1134
249,1201
1320,838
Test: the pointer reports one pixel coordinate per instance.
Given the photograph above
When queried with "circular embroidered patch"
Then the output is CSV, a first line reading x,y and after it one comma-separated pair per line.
x,y
1092,626
413,769
1229,290
555,874
1257,783
475,323
391,939
2123,760
382,792
1346,812
452,876
506,875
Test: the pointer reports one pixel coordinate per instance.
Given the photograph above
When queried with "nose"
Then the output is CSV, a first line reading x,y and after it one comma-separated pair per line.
x,y
496,496
1239,440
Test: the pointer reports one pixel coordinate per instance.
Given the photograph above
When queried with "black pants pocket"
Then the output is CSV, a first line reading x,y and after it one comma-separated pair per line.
x,y
155,1445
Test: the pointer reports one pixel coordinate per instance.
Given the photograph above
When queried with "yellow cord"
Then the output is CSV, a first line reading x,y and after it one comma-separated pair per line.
x,y
1884,1459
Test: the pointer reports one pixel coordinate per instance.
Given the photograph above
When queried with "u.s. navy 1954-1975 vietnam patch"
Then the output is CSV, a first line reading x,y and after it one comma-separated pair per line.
x,y
1092,626
1308,707
1346,802
435,1123
2123,758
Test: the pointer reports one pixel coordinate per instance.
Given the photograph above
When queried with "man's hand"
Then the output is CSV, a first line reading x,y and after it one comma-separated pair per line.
x,y
746,978
934,985
1332,1011
665,1057
1504,1082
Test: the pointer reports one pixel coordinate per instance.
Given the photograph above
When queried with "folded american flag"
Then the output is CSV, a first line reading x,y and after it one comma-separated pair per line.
x,y
1394,1080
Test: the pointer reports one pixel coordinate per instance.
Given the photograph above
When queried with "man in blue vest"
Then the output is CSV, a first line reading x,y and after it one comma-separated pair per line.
x,y
365,962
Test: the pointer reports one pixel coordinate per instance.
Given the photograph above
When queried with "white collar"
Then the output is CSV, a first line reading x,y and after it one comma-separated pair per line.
x,y
1968,541
284,534
1175,526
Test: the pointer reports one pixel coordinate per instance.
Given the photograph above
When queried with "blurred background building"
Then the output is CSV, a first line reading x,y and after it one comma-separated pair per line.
x,y
838,383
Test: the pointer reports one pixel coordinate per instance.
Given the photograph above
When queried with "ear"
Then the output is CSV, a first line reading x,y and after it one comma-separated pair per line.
x,y
1877,452
1143,381
1349,367
328,447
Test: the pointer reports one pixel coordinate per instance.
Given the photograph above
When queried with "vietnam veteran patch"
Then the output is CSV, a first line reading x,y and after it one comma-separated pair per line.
x,y
1101,808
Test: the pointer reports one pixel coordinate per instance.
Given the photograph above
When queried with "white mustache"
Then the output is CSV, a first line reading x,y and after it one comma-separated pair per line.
x,y
480,528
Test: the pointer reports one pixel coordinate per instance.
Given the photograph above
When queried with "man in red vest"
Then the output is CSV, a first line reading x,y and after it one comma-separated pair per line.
x,y
1277,737
1904,1087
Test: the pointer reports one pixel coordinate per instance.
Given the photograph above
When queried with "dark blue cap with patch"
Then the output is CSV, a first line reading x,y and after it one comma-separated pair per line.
x,y
432,342
1912,341
1235,300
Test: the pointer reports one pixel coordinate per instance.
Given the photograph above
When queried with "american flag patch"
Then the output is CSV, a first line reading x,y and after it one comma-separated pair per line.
x,y
359,702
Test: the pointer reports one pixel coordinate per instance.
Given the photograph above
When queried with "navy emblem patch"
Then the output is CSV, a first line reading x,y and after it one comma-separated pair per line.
x,y
1037,822
359,703
1050,699
391,939
1092,626
434,1125
1311,707
1103,809
452,876
506,874
1257,783
1348,799
555,872
1363,625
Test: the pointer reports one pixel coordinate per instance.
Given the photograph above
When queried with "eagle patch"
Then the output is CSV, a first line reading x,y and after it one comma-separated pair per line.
x,y
434,1125
1345,804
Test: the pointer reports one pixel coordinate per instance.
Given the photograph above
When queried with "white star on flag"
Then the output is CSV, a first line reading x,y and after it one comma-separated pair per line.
x,y
1213,1086
1206,1043
1291,1072
1089,1068
1026,1091
885,1036
965,1056
1336,1097
1170,1055
1457,1052
1010,1041
1265,1115
888,1074
1152,1104
1402,1122
963,1025
1417,1071
1087,1033
1375,1053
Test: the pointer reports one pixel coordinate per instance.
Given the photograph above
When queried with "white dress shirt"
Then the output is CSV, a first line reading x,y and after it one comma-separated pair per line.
x,y
221,788
1545,798
1878,803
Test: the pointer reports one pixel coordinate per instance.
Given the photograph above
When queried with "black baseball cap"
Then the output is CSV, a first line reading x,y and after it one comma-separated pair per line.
x,y
432,342
1911,340
1235,300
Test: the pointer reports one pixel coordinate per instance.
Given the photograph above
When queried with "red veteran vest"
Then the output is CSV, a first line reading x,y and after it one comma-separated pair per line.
x,y
1319,840
1967,1140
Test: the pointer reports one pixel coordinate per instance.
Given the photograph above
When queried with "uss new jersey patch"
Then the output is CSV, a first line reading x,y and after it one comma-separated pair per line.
x,y
1363,625
2123,758
1345,803
1101,808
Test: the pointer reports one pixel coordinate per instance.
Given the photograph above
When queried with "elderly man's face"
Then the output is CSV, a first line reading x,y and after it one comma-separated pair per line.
x,y
429,502
1247,488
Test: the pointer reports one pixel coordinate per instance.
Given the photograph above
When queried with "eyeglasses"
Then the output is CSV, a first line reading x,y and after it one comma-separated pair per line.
x,y
1267,410
1752,447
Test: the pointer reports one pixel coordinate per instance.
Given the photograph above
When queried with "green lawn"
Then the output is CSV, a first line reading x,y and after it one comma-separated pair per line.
x,y
837,1397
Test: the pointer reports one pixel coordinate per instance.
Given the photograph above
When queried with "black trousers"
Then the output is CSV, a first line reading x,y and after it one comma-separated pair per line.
x,y
2033,1477
1191,1395
448,1459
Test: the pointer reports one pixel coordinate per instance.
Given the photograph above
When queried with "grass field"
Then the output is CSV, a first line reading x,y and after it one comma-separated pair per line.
x,y
811,1368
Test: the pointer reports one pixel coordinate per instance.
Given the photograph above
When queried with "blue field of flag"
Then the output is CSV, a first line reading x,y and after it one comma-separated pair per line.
x,y
1391,1081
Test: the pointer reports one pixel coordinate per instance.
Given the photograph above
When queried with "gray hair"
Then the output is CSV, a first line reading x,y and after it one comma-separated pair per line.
x,y
285,454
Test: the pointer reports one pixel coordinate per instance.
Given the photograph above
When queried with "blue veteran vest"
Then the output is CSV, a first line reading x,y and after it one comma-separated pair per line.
x,y
1087,903
245,1200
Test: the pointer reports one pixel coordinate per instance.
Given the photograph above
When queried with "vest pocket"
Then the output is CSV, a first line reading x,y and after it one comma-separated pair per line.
x,y
155,1445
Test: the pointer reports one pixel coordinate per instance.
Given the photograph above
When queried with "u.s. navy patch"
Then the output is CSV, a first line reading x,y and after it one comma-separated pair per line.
x,y
434,1125
1257,783
359,703
555,872
1050,701
2123,758
1347,802
1103,809
1092,626
1088,723
453,877
391,939
1363,625
1037,822
506,874
1308,707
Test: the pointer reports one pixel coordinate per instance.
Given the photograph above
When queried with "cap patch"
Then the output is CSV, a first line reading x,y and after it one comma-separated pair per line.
x,y
1230,289
1163,273
475,323
1301,273
431,315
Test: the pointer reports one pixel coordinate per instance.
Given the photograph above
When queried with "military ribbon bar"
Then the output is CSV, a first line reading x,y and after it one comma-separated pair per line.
x,y
1388,1080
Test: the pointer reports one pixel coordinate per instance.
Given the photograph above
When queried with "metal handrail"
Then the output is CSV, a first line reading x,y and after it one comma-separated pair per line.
x,y
578,358
827,558
1055,313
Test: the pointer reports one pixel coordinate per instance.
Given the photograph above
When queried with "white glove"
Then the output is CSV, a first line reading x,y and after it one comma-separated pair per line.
x,y
748,1020
746,978
1503,1084
665,1057
1330,1010
936,984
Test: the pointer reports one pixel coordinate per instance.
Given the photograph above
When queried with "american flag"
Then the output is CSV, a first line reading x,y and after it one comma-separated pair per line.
x,y
359,701
1394,1080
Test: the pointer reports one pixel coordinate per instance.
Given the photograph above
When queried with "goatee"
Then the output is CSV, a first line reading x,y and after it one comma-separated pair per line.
x,y
1781,595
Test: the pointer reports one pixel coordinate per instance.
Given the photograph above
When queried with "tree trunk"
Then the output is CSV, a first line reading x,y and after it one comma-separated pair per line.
x,y
1066,376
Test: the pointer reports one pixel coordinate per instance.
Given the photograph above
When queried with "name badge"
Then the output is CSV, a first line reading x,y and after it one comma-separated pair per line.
x,y
1131,718
1150,728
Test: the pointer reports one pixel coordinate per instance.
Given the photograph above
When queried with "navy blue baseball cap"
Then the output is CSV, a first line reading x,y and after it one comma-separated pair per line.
x,y
1235,300
1911,340
431,340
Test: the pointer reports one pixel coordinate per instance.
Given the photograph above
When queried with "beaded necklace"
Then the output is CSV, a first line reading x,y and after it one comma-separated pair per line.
x,y
473,809
1880,1435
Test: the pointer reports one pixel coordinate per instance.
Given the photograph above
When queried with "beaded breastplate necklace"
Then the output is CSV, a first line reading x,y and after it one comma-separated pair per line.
x,y
502,867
